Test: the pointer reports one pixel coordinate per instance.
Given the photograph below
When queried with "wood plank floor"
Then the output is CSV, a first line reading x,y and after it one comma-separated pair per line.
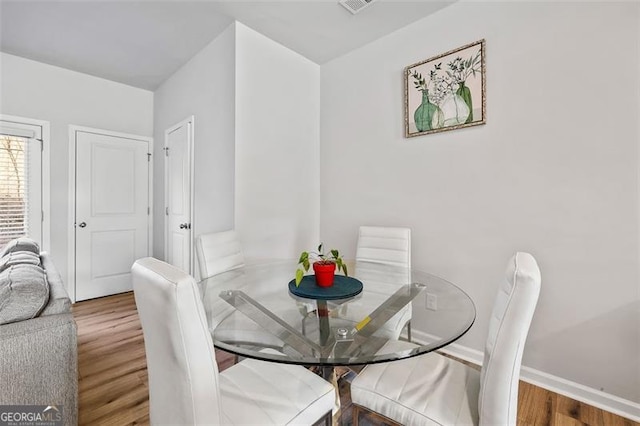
x,y
113,385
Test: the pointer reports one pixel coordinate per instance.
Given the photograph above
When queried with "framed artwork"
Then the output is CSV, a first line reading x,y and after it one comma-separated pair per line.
x,y
446,92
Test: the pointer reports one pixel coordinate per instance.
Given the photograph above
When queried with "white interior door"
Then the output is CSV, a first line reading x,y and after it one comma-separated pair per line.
x,y
178,195
112,212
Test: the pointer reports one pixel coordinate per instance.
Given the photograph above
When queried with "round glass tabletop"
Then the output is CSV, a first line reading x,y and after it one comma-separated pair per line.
x,y
251,312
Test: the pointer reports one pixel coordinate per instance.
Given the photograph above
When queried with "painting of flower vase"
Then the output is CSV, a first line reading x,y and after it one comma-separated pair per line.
x,y
446,92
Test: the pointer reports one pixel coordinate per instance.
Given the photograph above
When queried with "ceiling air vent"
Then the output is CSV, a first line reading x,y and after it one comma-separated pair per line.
x,y
355,6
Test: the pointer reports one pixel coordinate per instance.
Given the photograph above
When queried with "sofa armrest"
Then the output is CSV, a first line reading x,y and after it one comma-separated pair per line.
x,y
59,302
39,364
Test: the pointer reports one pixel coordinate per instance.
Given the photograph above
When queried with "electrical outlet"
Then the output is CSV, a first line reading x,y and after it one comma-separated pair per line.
x,y
432,302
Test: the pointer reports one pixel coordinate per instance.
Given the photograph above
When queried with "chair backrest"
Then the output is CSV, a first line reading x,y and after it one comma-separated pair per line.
x,y
391,246
183,375
218,252
508,328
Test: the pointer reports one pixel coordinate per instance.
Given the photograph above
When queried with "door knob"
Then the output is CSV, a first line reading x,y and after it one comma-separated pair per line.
x,y
82,224
185,226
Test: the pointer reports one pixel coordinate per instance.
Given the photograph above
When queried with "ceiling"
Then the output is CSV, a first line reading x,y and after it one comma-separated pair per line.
x,y
141,43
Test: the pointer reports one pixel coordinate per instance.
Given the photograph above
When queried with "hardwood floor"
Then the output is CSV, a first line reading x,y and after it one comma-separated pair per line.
x,y
113,384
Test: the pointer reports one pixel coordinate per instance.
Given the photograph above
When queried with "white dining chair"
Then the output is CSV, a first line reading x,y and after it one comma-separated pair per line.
x,y
218,252
391,248
386,245
185,386
433,389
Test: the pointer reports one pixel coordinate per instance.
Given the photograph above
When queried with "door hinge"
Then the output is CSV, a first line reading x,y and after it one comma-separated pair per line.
x,y
166,211
166,151
149,157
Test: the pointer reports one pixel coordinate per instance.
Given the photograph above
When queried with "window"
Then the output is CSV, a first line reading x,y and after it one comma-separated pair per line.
x,y
20,181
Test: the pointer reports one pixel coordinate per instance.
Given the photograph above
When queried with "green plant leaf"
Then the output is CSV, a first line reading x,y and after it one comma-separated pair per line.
x,y
344,268
335,253
320,249
299,275
305,264
303,256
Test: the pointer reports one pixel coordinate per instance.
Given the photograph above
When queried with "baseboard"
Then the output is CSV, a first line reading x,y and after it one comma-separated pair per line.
x,y
573,390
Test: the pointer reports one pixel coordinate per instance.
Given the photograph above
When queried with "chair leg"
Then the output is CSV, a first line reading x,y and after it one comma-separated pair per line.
x,y
409,330
355,414
325,420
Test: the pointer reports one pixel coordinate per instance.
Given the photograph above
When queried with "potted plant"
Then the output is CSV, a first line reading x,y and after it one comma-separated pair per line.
x,y
324,266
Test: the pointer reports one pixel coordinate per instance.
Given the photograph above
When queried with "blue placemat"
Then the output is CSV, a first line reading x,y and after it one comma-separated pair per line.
x,y
342,288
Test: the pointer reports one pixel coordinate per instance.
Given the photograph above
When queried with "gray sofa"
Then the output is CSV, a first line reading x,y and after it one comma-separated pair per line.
x,y
38,354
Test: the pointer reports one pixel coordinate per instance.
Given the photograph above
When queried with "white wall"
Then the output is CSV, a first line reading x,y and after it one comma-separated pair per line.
x,y
203,87
62,97
553,172
277,148
256,107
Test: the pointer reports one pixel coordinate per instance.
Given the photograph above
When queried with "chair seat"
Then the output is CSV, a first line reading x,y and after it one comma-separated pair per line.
x,y
424,390
256,393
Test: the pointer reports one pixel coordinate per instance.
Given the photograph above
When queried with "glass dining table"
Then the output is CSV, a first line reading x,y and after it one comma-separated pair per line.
x,y
252,313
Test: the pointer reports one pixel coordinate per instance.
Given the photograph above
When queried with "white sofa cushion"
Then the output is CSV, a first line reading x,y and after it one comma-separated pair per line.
x,y
21,244
18,257
24,292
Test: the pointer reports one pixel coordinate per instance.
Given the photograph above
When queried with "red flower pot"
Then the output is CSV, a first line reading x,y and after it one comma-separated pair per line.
x,y
324,273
